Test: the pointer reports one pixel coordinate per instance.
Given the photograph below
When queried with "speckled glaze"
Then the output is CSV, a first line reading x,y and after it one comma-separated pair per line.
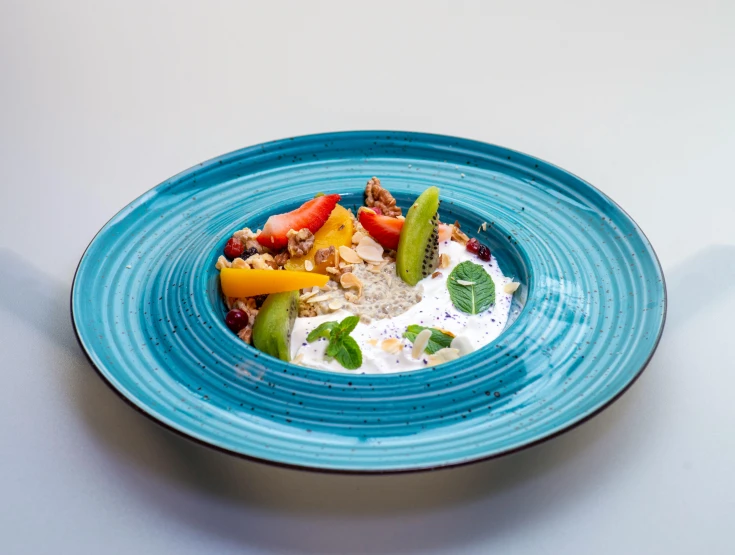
x,y
147,311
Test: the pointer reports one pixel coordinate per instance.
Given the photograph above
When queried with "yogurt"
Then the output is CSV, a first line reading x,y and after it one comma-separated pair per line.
x,y
435,310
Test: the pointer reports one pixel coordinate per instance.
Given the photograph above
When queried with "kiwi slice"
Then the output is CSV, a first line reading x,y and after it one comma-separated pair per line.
x,y
418,246
274,322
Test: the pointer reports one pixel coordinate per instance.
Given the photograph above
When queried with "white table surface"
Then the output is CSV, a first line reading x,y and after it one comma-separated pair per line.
x,y
99,101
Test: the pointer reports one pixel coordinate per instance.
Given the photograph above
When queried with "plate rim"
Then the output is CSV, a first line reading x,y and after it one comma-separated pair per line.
x,y
353,471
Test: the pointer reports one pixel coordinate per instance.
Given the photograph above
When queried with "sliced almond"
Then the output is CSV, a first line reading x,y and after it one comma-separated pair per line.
x,y
444,355
465,282
349,255
373,342
444,260
318,299
332,270
511,287
335,304
308,265
391,345
420,343
357,236
370,250
307,295
350,280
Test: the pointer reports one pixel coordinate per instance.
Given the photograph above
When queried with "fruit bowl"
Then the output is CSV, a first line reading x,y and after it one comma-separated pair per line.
x,y
147,309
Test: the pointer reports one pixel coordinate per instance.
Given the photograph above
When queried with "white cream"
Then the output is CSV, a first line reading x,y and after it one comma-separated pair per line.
x,y
434,310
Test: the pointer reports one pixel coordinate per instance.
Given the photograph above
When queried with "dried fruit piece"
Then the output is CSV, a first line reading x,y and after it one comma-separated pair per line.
x,y
249,283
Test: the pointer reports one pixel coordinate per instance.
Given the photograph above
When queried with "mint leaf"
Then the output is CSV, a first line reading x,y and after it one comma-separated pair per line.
x,y
438,339
322,330
348,324
341,347
471,288
347,353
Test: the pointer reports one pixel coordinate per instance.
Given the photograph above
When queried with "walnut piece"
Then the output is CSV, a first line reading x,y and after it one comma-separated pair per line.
x,y
378,197
322,255
281,258
300,242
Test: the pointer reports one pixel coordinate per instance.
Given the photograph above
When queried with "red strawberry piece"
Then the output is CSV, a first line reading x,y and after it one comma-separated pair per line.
x,y
310,215
233,248
384,229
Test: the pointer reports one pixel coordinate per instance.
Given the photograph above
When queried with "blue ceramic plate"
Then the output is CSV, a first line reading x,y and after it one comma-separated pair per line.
x,y
147,311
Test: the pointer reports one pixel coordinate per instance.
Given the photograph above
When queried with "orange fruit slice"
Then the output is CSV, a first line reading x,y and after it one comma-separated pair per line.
x,y
241,282
336,231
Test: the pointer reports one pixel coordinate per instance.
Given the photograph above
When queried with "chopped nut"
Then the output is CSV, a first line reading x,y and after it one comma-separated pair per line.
x,y
222,262
332,270
249,238
246,334
335,304
351,297
307,295
391,345
349,255
483,227
240,264
281,258
436,275
511,287
378,197
322,255
261,262
300,242
372,342
298,358
318,299
357,236
349,280
458,235
420,343
444,260
308,265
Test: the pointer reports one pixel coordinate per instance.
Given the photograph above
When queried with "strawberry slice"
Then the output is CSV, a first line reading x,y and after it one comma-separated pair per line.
x,y
387,231
310,215
384,229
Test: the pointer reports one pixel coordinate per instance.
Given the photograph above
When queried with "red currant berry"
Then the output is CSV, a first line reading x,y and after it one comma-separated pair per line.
x,y
233,248
236,319
473,245
484,253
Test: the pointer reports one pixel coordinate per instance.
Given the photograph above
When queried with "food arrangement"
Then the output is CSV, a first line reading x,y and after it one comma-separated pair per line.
x,y
374,292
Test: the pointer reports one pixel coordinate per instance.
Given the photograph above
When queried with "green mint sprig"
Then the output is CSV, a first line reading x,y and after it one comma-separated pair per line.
x,y
342,346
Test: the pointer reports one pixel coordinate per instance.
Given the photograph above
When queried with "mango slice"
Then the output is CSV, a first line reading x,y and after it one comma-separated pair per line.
x,y
240,282
337,230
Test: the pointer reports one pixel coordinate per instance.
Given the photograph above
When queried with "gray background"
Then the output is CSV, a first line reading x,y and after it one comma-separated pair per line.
x,y
101,101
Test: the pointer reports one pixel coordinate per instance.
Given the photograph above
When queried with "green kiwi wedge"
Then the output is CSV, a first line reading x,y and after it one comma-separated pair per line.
x,y
418,246
274,322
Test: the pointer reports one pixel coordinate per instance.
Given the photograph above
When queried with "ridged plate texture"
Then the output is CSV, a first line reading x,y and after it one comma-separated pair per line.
x,y
590,312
